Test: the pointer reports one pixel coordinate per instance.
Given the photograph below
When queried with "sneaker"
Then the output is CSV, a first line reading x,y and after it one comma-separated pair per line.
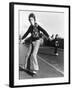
x,y
34,72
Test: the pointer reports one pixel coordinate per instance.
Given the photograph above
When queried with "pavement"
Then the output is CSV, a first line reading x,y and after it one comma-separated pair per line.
x,y
50,66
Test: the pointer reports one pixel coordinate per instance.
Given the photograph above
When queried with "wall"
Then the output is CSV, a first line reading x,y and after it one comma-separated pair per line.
x,y
4,44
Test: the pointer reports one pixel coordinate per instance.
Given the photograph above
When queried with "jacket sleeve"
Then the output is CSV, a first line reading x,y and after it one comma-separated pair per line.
x,y
42,30
25,35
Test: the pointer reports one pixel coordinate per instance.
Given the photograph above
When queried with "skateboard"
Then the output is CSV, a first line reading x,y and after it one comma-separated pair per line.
x,y
28,70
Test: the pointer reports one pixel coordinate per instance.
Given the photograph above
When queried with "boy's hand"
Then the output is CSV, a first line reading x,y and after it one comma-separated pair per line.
x,y
46,37
22,41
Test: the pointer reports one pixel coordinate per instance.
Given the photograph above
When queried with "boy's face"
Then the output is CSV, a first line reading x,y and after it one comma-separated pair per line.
x,y
32,21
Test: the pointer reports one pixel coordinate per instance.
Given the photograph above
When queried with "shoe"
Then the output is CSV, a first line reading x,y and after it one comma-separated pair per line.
x,y
34,72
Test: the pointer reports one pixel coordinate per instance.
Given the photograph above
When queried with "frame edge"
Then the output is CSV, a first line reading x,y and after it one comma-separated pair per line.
x,y
11,44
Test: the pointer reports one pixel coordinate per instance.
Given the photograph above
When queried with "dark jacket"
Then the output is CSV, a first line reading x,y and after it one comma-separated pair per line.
x,y
35,32
56,42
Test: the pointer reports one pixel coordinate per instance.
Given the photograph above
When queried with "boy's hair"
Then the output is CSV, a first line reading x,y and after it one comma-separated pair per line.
x,y
33,16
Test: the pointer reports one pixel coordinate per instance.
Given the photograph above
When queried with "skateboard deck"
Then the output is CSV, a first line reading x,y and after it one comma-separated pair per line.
x,y
30,71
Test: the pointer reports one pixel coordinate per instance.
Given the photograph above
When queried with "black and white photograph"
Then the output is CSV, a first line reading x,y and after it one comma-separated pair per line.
x,y
41,44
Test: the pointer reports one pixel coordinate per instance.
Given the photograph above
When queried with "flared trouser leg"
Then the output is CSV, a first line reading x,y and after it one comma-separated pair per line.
x,y
27,57
34,61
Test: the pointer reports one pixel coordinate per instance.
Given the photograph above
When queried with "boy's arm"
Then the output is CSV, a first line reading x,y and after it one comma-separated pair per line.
x,y
25,35
42,30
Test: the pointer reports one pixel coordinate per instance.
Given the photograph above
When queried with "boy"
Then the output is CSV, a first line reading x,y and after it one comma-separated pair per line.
x,y
35,39
56,45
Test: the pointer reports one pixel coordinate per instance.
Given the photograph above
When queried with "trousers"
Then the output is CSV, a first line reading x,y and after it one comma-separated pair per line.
x,y
31,57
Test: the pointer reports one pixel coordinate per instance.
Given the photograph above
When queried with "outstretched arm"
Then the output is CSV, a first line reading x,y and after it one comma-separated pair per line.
x,y
25,35
42,30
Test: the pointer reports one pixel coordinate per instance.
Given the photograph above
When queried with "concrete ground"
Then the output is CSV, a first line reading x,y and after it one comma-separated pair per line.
x,y
49,64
